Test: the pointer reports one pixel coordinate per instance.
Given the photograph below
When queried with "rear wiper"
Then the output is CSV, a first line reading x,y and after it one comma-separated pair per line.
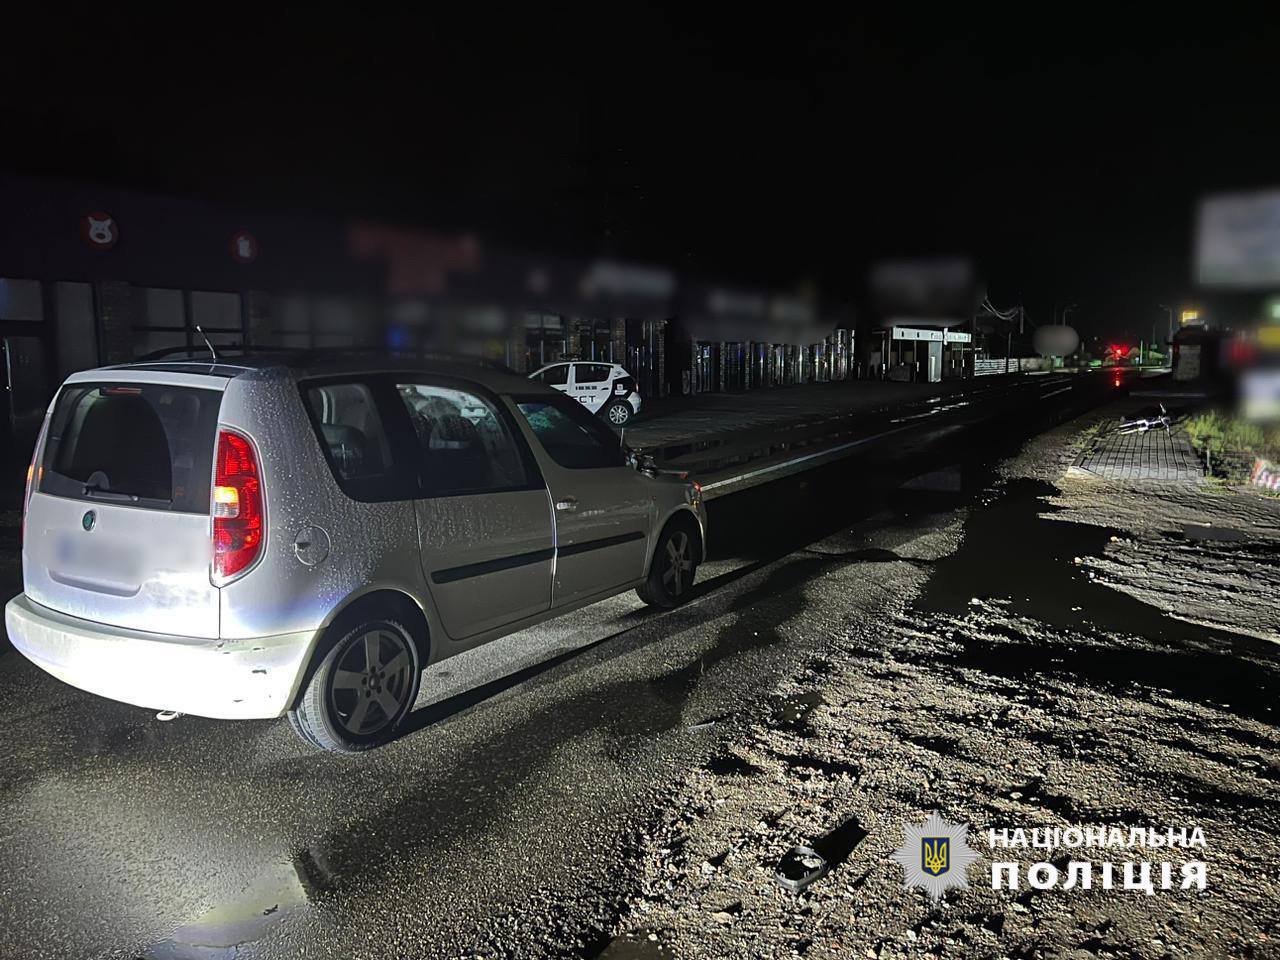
x,y
100,493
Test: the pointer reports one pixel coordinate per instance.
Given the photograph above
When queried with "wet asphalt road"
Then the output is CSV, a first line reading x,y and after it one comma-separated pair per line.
x,y
503,821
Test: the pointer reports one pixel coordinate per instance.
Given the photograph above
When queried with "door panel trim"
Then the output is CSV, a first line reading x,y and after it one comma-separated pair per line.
x,y
576,548
454,574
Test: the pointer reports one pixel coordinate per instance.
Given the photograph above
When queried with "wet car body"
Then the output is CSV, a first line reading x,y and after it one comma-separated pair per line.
x,y
374,507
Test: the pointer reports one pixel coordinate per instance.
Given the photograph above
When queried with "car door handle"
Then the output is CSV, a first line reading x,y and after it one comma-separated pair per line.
x,y
568,504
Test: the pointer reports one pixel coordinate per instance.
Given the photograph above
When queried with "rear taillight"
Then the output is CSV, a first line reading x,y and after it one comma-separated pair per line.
x,y
239,526
26,498
35,473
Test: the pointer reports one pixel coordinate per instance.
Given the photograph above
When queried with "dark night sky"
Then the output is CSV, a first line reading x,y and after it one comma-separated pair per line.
x,y
1063,154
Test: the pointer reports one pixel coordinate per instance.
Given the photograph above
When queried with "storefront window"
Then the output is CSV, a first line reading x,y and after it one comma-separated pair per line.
x,y
342,321
77,336
216,311
149,341
291,314
161,316
162,308
20,300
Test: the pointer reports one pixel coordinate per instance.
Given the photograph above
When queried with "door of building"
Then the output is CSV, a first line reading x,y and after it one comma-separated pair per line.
x,y
935,361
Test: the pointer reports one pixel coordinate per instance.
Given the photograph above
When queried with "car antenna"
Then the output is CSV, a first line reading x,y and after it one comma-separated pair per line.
x,y
212,352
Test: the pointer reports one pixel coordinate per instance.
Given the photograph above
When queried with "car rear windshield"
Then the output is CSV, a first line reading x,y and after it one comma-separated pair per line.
x,y
142,444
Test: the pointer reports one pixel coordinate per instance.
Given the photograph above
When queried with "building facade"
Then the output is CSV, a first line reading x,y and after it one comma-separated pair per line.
x,y
92,276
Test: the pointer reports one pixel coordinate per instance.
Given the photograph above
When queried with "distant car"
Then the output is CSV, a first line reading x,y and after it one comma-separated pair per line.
x,y
603,388
258,537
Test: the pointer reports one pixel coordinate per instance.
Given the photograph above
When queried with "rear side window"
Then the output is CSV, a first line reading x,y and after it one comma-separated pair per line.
x,y
591,372
352,431
146,445
463,445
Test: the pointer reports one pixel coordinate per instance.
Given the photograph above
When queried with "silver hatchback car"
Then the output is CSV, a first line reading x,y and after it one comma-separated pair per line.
x,y
257,537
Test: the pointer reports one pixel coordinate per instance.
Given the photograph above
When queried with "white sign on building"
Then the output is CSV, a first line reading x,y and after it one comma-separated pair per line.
x,y
1238,240
917,333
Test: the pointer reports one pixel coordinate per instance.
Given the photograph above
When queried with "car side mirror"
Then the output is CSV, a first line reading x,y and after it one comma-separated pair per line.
x,y
644,462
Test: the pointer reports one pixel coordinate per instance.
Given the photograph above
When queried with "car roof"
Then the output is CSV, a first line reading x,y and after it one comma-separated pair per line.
x,y
565,363
308,364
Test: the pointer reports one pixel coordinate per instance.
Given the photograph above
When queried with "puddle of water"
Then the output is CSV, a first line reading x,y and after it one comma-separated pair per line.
x,y
794,712
1015,554
231,929
947,480
634,946
1011,552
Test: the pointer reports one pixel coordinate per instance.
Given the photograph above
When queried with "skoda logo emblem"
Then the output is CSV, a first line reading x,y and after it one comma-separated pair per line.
x,y
88,520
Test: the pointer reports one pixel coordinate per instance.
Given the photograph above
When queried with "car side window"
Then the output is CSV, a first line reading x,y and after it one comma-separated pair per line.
x,y
590,372
572,437
352,430
464,446
556,376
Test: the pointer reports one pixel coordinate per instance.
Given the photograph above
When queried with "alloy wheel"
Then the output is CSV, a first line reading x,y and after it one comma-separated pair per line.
x,y
677,574
371,681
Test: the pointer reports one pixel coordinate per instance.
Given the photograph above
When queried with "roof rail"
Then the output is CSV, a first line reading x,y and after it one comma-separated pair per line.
x,y
225,351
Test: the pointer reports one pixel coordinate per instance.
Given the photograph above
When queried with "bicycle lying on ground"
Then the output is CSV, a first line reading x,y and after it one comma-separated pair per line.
x,y
1143,424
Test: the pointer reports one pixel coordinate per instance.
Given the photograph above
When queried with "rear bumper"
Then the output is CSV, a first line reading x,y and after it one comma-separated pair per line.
x,y
225,679
634,399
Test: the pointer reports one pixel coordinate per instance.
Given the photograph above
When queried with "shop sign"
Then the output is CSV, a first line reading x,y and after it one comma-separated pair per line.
x,y
99,230
244,247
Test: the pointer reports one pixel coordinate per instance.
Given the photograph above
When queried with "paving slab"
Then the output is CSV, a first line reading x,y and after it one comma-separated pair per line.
x,y
1164,455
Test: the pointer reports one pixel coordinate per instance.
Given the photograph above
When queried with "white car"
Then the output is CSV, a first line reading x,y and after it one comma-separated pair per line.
x,y
603,388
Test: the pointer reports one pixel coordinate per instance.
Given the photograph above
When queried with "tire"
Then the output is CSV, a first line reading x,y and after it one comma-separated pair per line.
x,y
673,567
362,690
618,413
300,730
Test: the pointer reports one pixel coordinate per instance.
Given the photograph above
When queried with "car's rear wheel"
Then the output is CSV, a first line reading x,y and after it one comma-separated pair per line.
x,y
673,567
362,690
618,413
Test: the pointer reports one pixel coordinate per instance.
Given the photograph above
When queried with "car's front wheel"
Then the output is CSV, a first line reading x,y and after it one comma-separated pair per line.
x,y
362,690
618,413
673,567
